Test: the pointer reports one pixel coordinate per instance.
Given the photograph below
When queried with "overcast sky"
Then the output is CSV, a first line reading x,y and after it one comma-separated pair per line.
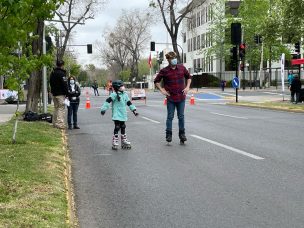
x,y
106,18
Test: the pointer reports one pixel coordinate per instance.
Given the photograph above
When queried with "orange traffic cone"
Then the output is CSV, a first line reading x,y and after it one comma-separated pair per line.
x,y
192,100
165,101
88,103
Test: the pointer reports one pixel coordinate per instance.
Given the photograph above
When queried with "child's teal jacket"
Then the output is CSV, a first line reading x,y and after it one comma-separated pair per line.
x,y
119,108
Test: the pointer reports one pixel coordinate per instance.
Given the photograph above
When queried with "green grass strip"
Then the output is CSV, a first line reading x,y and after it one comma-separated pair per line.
x,y
275,105
32,184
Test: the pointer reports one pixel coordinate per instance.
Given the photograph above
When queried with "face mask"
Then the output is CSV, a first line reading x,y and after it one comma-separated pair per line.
x,y
72,81
122,88
174,62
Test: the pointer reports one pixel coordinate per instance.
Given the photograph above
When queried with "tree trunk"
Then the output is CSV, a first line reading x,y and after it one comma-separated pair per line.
x,y
35,80
175,48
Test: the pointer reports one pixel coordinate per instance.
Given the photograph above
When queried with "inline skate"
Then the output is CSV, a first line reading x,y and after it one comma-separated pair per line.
x,y
169,136
125,143
115,142
182,138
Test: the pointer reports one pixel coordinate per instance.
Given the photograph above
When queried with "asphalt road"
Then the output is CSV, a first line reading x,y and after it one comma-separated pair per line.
x,y
241,167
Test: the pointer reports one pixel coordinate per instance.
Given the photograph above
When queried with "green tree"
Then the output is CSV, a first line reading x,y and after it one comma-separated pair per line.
x,y
124,75
21,24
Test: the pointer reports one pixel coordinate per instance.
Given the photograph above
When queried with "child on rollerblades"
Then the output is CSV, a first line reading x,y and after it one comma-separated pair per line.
x,y
120,100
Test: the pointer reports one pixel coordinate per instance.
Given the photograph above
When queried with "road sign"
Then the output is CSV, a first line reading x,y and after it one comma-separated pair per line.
x,y
235,82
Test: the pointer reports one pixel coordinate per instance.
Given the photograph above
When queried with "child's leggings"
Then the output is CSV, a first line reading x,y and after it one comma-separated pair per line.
x,y
119,125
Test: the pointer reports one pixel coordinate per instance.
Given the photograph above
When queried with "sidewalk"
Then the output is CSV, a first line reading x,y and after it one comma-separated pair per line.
x,y
7,111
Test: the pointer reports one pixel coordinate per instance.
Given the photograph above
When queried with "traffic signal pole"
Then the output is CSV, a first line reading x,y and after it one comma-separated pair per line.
x,y
237,72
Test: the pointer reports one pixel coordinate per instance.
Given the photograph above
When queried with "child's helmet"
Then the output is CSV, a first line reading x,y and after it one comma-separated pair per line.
x,y
117,84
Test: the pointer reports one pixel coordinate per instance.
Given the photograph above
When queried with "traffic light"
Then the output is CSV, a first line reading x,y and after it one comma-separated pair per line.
x,y
160,57
297,47
257,39
242,51
49,43
89,48
152,46
233,58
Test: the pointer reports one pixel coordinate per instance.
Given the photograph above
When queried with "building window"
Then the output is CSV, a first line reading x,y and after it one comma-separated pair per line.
x,y
207,13
189,24
191,45
203,65
194,63
203,16
198,19
193,21
211,63
185,58
198,63
211,12
210,38
203,41
198,42
194,43
188,44
207,39
184,37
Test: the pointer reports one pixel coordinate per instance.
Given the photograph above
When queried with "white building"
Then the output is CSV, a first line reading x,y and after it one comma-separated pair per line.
x,y
197,37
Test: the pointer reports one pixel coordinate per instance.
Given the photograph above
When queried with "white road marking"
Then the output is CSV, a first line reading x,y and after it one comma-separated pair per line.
x,y
274,93
146,118
89,108
231,94
229,148
103,154
237,117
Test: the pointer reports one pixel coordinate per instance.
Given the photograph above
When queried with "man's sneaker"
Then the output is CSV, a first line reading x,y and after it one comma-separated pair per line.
x,y
76,127
70,127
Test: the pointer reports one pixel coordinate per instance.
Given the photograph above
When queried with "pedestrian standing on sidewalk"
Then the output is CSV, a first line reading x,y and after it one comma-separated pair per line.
x,y
176,80
295,89
223,84
59,90
73,95
290,78
120,100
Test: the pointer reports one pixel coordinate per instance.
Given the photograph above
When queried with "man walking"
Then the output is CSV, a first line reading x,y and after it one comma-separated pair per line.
x,y
175,89
95,87
59,90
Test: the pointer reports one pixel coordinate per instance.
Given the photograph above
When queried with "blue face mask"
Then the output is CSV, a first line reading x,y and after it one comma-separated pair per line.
x,y
174,62
72,81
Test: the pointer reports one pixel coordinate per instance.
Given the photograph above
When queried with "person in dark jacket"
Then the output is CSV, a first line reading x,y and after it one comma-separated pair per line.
x,y
295,89
95,87
59,90
73,95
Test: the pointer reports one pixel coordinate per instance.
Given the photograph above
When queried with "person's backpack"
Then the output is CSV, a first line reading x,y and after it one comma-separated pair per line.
x,y
31,116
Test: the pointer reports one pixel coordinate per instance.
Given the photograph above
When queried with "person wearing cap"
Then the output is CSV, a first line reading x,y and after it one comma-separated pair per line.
x,y
176,80
59,90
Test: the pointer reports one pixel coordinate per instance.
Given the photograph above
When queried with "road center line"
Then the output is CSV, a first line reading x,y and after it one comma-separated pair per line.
x,y
237,117
146,118
228,147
